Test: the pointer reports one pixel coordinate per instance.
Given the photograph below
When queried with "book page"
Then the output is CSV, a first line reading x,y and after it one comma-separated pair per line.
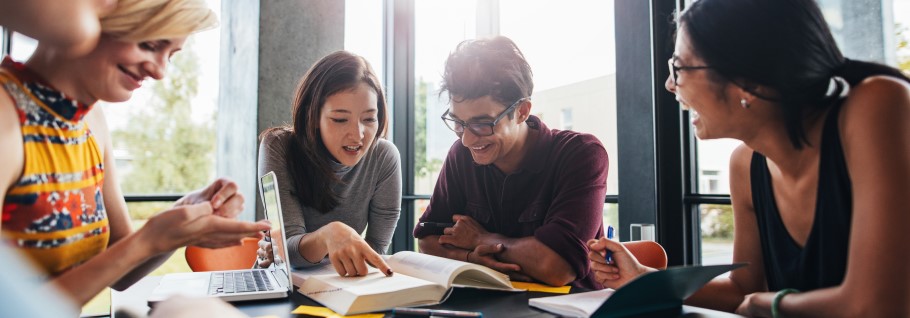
x,y
482,278
575,305
448,272
436,269
300,275
373,292
372,283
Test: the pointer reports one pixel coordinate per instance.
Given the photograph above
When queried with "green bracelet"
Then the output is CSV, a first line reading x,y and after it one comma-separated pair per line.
x,y
775,305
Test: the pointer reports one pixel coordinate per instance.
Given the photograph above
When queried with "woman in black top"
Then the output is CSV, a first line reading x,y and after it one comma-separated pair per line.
x,y
819,187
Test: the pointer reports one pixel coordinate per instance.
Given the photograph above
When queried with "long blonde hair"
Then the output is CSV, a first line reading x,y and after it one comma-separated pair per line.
x,y
145,20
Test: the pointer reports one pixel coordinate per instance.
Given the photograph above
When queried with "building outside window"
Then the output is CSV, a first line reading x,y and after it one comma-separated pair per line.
x,y
567,119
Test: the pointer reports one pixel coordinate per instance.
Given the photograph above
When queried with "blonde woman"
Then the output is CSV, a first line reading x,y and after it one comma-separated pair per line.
x,y
62,205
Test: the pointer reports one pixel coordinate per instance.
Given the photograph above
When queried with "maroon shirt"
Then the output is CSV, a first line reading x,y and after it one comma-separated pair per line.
x,y
556,195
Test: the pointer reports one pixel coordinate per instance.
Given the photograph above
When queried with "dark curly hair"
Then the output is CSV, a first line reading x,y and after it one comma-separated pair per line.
x,y
494,67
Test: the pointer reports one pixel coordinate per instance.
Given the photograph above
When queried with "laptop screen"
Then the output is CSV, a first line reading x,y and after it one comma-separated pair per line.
x,y
280,267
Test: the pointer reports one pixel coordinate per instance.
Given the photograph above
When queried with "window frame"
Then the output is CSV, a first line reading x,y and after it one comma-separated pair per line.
x,y
6,41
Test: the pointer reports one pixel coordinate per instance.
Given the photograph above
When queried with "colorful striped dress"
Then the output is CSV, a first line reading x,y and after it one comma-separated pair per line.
x,y
54,213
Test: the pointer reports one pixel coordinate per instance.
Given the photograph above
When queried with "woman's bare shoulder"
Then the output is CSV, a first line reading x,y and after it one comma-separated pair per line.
x,y
11,163
878,95
879,103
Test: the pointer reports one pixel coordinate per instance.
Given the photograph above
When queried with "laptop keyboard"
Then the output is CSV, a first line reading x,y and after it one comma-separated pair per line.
x,y
239,282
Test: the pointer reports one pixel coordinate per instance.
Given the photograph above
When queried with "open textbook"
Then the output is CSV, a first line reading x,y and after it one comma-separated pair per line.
x,y
419,279
660,291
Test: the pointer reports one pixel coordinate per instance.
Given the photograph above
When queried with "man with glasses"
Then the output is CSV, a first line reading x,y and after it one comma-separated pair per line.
x,y
513,194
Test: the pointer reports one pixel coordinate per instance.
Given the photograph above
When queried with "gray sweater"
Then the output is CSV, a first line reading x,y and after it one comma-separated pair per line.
x,y
370,193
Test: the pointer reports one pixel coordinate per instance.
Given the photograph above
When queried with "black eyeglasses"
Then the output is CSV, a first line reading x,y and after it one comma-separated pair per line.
x,y
481,129
674,70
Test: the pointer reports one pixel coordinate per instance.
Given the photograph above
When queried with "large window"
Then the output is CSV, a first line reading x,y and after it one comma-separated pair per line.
x,y
716,220
164,136
363,22
439,27
854,24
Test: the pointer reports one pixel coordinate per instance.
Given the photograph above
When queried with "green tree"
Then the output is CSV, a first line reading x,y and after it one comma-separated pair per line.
x,y
171,153
903,48
423,166
717,221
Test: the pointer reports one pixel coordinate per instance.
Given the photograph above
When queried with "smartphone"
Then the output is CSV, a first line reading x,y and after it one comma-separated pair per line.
x,y
440,225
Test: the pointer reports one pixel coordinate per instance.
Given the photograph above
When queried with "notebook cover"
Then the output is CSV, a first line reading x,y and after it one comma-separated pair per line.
x,y
660,291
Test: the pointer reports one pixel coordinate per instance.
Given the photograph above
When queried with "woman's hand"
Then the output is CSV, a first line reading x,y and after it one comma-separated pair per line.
x,y
624,268
264,253
223,195
349,253
196,224
756,305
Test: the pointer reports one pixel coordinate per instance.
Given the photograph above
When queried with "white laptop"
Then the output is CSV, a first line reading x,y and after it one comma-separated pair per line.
x,y
239,285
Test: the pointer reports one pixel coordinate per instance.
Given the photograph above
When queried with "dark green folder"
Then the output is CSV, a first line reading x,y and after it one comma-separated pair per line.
x,y
660,292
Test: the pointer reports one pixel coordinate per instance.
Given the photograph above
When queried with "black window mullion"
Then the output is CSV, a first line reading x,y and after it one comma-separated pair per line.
x,y
692,198
399,65
650,131
674,228
7,43
634,113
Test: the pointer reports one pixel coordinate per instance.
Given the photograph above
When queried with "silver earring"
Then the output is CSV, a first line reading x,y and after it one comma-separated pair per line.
x,y
744,103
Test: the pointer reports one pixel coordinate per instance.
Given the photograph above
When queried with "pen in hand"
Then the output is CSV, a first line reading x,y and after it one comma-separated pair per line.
x,y
609,256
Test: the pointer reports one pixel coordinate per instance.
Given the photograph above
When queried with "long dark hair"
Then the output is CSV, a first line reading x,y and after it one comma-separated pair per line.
x,y
309,162
784,45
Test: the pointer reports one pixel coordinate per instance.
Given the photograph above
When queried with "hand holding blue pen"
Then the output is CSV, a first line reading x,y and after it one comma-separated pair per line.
x,y
609,256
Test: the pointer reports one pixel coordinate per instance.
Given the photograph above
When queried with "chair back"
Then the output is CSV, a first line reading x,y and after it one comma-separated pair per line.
x,y
242,256
648,253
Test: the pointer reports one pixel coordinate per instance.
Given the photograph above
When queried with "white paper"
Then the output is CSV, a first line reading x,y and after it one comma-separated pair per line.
x,y
573,305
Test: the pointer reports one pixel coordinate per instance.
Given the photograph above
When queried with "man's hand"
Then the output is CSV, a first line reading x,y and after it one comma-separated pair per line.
x,y
223,194
486,255
520,277
466,233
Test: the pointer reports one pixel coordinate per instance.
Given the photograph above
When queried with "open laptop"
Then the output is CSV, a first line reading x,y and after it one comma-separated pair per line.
x,y
239,285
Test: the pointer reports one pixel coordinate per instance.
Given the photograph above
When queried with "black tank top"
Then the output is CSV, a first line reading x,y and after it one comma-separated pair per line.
x,y
822,262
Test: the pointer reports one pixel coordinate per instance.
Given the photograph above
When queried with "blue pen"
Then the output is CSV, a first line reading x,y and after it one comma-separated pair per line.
x,y
609,256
